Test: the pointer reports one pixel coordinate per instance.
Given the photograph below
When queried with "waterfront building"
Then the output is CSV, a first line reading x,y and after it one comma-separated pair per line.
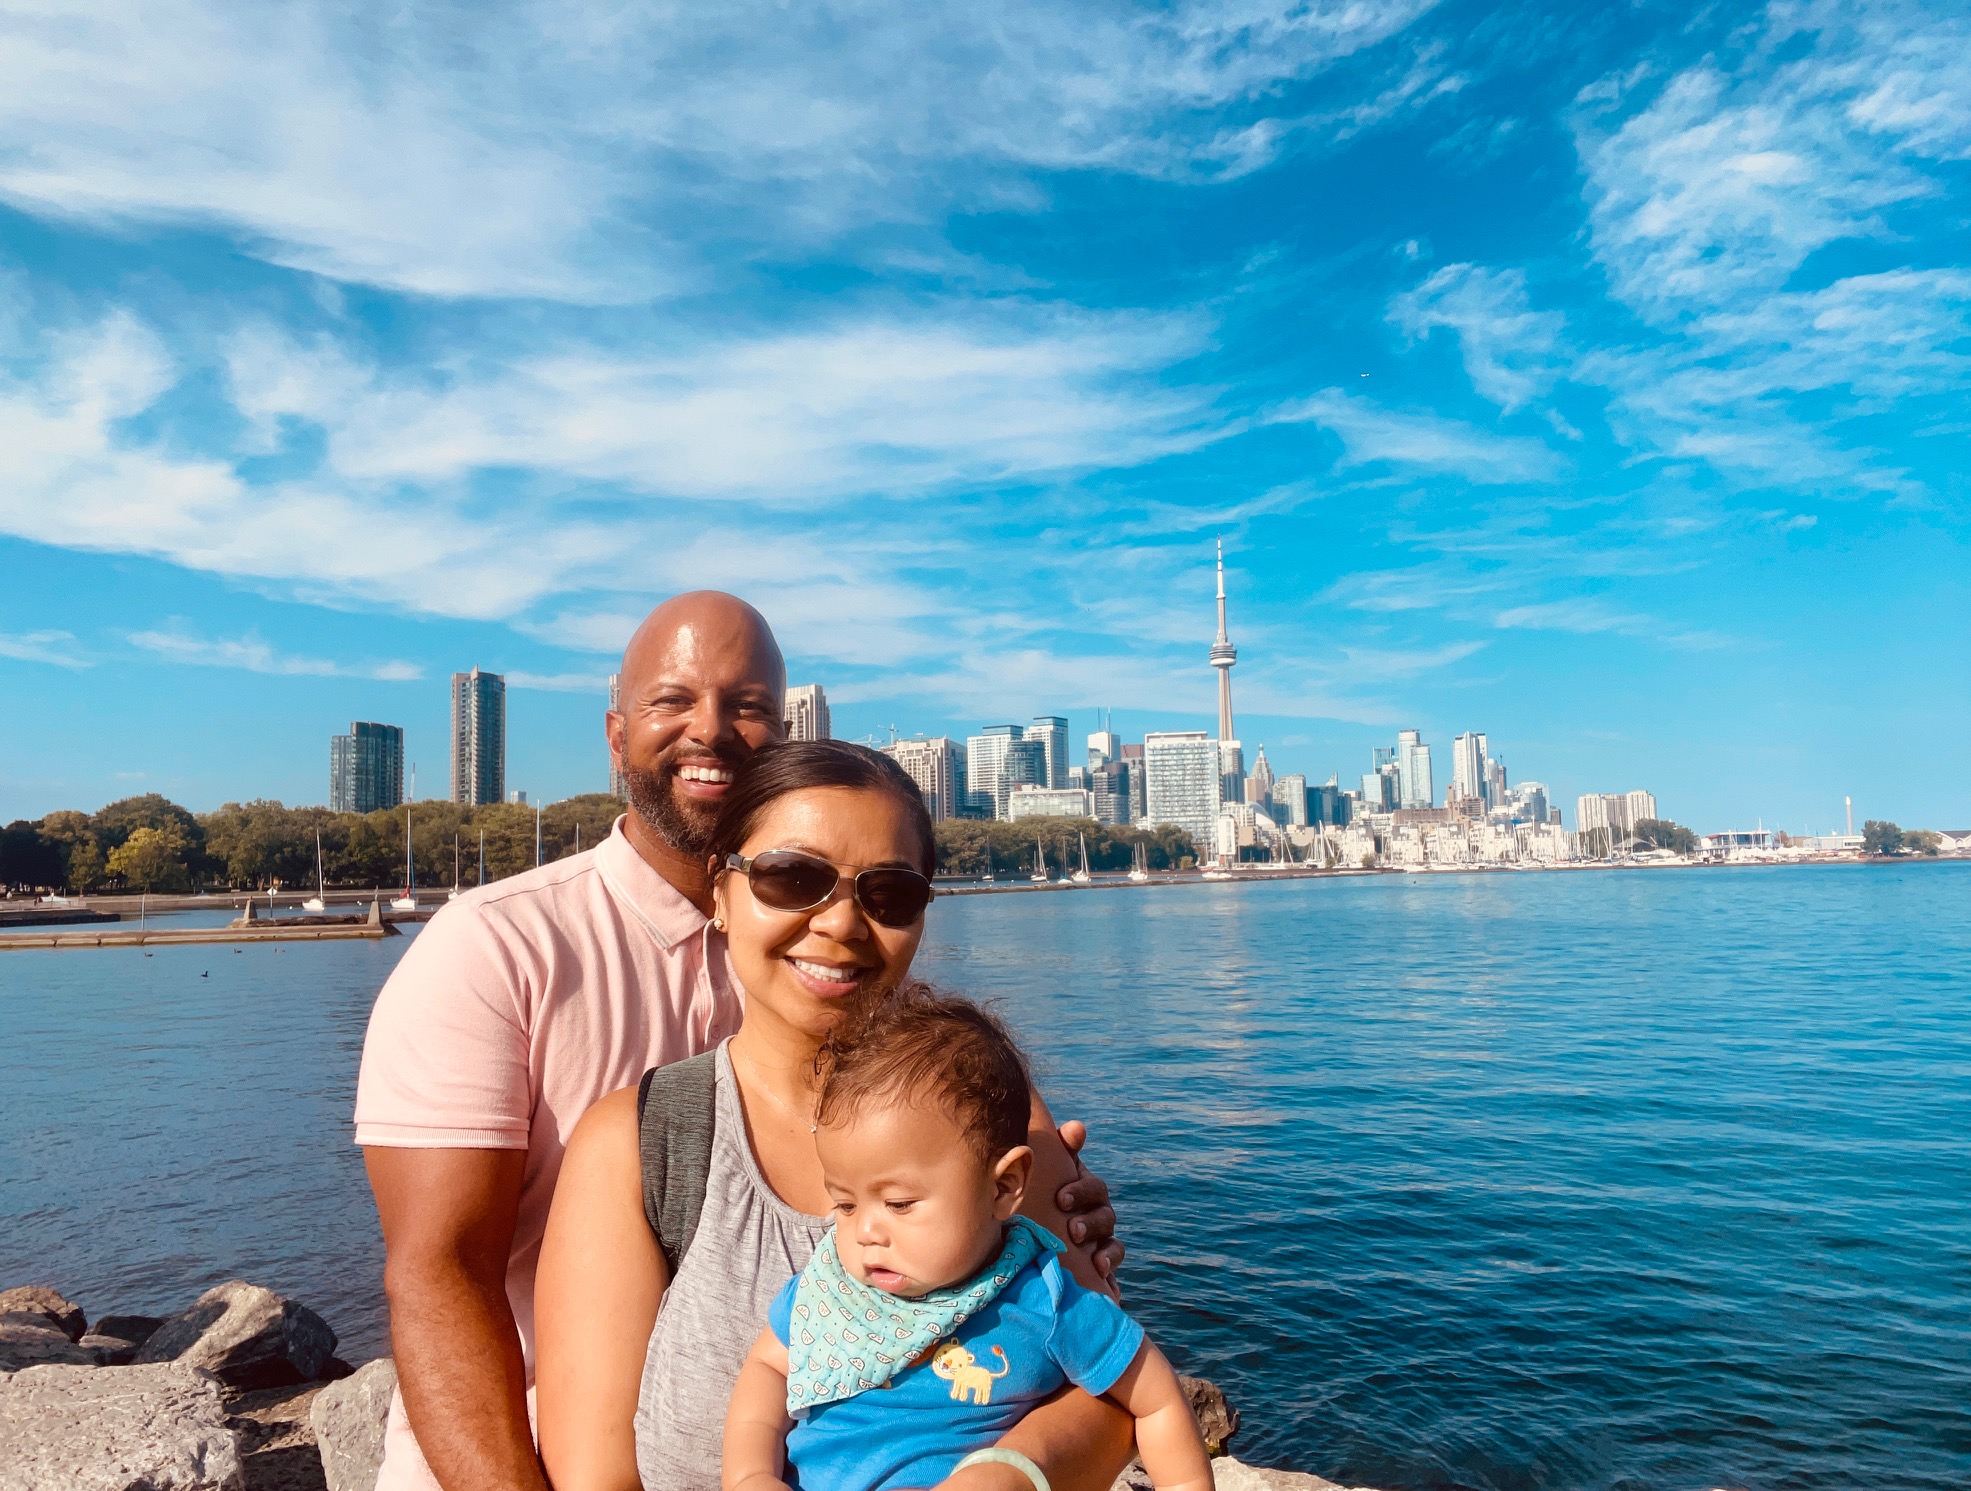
x,y
1104,746
619,787
366,768
1616,812
806,713
1052,733
1468,765
985,765
1495,782
1049,802
1259,786
1231,771
517,797
1109,790
1414,788
1139,783
1527,802
1289,795
1183,784
478,737
933,764
1078,777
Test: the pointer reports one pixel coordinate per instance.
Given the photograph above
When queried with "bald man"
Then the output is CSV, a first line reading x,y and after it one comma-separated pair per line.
x,y
525,1001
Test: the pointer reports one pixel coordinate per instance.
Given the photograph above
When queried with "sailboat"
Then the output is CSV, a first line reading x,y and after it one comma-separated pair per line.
x,y
1080,876
988,876
408,900
482,858
1040,875
319,900
455,869
1140,871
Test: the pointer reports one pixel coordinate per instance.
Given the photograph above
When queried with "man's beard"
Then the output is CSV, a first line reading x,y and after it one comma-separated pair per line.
x,y
683,824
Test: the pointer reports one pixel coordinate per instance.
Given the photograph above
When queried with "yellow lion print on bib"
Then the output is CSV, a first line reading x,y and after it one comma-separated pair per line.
x,y
967,1378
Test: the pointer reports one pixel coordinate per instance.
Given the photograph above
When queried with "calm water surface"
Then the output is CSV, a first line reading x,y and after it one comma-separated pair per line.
x,y
1624,1180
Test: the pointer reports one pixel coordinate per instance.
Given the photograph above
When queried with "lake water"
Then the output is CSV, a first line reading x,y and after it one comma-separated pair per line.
x,y
1602,1180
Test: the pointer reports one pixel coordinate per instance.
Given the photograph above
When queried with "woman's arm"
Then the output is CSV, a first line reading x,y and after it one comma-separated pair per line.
x,y
596,1293
756,1421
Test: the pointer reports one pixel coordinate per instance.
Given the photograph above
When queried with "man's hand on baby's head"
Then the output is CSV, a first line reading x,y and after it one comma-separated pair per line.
x,y
1084,1201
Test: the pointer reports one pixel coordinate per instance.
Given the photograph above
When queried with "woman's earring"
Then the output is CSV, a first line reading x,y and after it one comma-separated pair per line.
x,y
718,924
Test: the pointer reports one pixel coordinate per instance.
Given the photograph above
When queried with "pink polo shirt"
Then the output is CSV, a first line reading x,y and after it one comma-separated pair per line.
x,y
515,1009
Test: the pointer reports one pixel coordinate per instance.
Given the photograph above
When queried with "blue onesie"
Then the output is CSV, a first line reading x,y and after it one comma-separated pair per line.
x,y
1041,1331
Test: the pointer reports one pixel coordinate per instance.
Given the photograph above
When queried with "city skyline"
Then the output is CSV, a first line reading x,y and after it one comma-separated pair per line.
x,y
1591,379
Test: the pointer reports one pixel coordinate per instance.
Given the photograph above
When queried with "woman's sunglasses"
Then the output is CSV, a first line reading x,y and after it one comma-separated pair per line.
x,y
788,880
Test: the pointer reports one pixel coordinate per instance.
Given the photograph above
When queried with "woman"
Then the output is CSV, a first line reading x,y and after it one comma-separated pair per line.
x,y
822,853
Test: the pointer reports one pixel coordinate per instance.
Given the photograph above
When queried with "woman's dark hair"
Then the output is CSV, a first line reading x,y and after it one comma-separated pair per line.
x,y
920,1045
773,771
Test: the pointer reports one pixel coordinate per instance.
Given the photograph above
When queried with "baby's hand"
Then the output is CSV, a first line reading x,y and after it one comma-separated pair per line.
x,y
761,1482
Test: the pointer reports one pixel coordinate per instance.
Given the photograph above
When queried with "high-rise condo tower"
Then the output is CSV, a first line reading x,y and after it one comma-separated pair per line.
x,y
478,737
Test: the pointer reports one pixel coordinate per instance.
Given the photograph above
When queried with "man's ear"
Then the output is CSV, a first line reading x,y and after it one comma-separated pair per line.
x,y
1009,1182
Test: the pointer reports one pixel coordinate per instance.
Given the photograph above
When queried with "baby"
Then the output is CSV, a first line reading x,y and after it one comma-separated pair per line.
x,y
931,1318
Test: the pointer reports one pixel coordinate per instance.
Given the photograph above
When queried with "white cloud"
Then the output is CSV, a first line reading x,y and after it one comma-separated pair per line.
x,y
1725,182
592,152
176,643
1510,350
58,648
880,405
557,683
1370,433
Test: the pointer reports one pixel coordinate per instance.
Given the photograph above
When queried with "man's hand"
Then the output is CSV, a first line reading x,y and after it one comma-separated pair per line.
x,y
1084,1201
448,1217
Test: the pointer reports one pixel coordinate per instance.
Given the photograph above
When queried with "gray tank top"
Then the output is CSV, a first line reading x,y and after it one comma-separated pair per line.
x,y
749,1242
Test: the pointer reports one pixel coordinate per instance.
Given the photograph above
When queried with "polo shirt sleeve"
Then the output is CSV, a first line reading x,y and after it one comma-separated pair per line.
x,y
445,1062
1093,1339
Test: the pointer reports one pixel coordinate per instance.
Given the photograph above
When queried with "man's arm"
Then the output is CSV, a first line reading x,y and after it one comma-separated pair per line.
x,y
448,1218
1070,1202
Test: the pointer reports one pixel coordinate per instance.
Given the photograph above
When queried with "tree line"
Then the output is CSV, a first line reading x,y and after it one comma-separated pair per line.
x,y
1880,836
150,843
964,844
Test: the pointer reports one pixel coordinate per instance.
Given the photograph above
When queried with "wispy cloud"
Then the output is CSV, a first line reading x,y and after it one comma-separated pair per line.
x,y
1510,350
557,683
179,644
1370,433
55,647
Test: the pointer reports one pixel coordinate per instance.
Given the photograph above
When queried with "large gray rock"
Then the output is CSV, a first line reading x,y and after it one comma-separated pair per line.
x,y
64,1314
349,1418
245,1336
28,1340
1234,1475
156,1428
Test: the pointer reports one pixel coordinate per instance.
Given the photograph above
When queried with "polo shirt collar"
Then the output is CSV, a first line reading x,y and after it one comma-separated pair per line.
x,y
659,904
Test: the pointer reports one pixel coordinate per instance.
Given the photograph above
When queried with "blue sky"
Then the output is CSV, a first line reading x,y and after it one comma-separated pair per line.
x,y
1591,376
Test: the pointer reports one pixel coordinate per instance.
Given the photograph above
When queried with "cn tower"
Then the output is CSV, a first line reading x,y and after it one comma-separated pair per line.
x,y
1223,656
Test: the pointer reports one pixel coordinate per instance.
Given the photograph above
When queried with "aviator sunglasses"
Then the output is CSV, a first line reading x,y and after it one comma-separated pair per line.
x,y
788,880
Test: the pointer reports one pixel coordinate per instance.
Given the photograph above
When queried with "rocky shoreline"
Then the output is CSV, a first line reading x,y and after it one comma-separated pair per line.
x,y
242,1391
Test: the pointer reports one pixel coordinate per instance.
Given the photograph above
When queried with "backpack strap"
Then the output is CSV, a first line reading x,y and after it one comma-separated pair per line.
x,y
675,1110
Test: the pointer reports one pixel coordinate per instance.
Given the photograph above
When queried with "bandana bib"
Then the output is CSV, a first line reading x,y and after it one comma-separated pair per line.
x,y
846,1337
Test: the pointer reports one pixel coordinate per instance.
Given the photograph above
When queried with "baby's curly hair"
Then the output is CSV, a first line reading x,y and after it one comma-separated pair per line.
x,y
921,1045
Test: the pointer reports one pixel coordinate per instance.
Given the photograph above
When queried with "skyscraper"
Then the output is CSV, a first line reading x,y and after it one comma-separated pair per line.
x,y
1139,783
1052,733
1183,784
1109,784
807,713
1290,799
1104,746
366,768
1413,770
1468,765
1259,786
478,737
618,787
932,765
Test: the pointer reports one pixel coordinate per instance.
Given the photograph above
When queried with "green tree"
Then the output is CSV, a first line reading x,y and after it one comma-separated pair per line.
x,y
152,859
28,860
74,837
1922,841
1879,836
963,845
1661,833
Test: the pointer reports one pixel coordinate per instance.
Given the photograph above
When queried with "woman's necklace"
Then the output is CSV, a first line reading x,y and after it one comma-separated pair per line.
x,y
771,1096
